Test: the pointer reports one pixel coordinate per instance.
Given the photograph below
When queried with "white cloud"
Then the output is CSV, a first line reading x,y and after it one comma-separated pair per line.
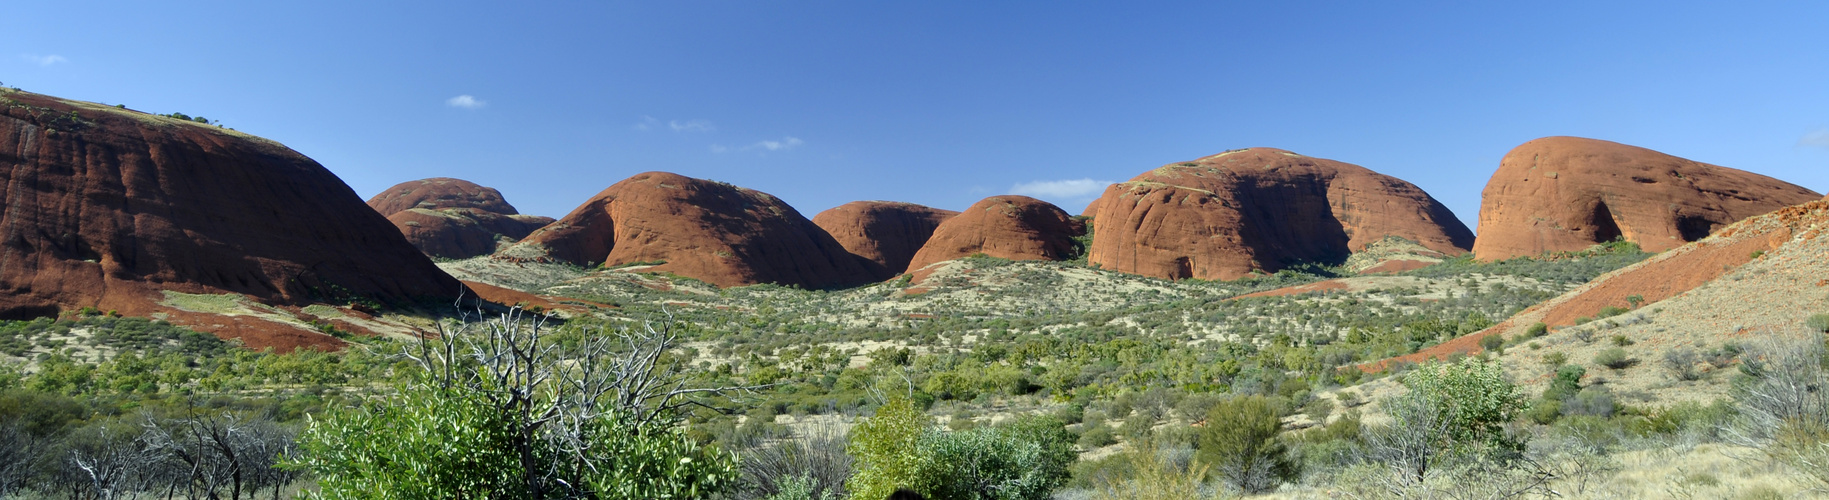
x,y
465,101
717,148
44,60
1068,189
1819,139
649,123
786,143
691,126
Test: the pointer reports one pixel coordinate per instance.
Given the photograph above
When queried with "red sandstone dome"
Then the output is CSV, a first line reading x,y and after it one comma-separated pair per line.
x,y
439,193
1260,209
454,218
107,207
1009,226
1569,193
885,234
712,231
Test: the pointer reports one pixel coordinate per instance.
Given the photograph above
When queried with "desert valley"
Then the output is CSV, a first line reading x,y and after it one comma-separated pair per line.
x,y
191,311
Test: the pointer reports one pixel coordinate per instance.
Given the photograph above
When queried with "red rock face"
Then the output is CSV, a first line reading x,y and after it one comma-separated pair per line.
x,y
711,231
454,218
438,193
105,207
885,234
1568,193
1009,226
1260,209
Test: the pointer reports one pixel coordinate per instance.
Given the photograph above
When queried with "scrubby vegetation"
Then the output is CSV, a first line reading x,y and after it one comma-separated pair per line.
x,y
997,379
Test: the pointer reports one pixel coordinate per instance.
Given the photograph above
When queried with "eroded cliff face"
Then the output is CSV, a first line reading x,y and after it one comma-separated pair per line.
x,y
1260,209
1008,226
454,218
1569,193
106,207
711,231
885,234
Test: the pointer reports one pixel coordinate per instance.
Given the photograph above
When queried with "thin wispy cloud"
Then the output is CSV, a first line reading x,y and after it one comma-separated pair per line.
x,y
45,60
649,123
718,148
1817,139
691,126
786,143
1066,189
466,101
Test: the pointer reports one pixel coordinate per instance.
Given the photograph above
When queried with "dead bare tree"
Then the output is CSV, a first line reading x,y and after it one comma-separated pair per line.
x,y
17,450
111,464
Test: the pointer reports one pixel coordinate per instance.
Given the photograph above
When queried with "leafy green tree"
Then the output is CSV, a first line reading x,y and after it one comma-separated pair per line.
x,y
1240,441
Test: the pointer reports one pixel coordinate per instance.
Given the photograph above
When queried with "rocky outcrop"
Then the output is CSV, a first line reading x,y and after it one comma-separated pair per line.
x,y
711,231
1259,210
1569,193
107,207
1009,226
454,218
885,234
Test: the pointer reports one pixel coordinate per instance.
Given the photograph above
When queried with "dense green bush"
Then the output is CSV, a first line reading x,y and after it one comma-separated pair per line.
x,y
1242,443
1615,358
432,442
1024,460
899,448
882,449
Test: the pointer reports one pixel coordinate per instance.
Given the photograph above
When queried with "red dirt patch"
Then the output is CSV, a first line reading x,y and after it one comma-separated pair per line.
x,y
1396,266
1321,286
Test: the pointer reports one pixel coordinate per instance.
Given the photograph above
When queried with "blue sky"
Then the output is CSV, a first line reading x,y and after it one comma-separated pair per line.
x,y
944,103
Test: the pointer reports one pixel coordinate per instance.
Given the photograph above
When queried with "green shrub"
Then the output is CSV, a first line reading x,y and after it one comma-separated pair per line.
x,y
1622,341
1097,436
1025,460
1615,358
1555,359
1241,443
880,449
1610,311
1544,411
1494,343
1818,323
431,442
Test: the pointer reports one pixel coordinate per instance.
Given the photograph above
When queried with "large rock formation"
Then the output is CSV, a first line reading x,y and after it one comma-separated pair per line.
x,y
885,234
440,193
107,207
1260,209
1009,226
1568,193
454,218
711,231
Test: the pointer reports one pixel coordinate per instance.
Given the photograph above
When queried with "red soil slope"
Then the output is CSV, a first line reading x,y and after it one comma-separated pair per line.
x,y
1661,277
